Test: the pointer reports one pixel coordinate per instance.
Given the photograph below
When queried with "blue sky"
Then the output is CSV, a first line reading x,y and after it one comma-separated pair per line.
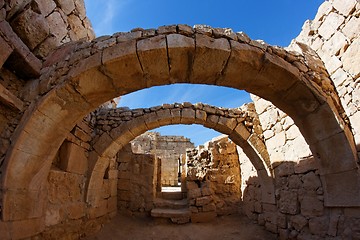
x,y
276,22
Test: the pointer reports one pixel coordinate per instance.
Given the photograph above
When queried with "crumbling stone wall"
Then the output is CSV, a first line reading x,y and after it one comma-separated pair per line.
x,y
44,25
213,180
29,31
168,149
137,181
334,35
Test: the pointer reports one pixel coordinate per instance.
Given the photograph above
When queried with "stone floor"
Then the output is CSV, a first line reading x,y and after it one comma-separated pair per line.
x,y
224,228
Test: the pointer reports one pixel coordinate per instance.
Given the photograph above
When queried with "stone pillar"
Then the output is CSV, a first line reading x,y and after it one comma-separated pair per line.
x,y
183,173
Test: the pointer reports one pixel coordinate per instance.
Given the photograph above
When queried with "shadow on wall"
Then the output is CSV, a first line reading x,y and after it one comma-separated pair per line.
x,y
299,211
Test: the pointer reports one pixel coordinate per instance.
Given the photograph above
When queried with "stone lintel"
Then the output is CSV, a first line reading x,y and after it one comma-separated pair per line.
x,y
22,60
10,99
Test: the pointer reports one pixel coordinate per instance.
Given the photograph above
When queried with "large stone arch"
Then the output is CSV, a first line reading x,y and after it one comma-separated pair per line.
x,y
83,75
227,121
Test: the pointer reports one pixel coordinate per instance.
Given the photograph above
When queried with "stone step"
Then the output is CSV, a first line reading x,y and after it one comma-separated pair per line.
x,y
170,204
172,195
173,214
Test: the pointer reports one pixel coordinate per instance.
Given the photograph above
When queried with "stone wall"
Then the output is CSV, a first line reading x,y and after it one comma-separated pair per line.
x,y
67,214
168,149
334,35
44,25
282,137
213,180
137,181
29,31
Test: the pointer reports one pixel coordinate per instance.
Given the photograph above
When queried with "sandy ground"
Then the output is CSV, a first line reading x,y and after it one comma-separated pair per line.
x,y
223,228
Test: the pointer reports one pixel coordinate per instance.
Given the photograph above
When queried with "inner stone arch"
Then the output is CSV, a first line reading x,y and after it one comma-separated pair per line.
x,y
124,129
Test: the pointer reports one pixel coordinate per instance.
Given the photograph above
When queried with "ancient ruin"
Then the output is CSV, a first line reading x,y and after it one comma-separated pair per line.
x,y
70,160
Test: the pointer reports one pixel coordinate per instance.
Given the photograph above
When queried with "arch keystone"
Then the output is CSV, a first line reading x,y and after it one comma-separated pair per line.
x,y
181,51
121,63
211,57
154,60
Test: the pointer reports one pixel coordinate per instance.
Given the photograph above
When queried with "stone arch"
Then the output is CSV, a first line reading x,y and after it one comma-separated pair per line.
x,y
226,121
81,76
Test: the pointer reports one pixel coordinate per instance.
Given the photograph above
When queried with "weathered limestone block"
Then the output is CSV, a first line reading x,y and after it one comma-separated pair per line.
x,y
337,43
288,202
311,181
6,50
57,26
31,27
344,7
66,5
351,57
202,201
330,25
298,222
52,216
65,187
319,226
284,169
76,210
211,56
181,50
350,30
73,158
156,72
311,206
29,227
77,28
45,7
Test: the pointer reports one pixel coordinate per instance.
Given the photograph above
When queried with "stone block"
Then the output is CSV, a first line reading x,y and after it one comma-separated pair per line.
x,y
181,50
201,201
21,60
344,7
5,230
45,7
76,210
336,44
99,210
330,25
6,50
187,116
311,181
64,187
194,193
211,55
112,204
319,226
288,202
350,29
202,217
57,26
150,49
73,158
271,227
78,31
339,77
66,5
298,222
52,216
29,228
311,206
341,189
284,169
82,135
31,27
350,59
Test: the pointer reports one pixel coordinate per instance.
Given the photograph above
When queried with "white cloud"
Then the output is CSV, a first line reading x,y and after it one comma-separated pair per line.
x,y
104,13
